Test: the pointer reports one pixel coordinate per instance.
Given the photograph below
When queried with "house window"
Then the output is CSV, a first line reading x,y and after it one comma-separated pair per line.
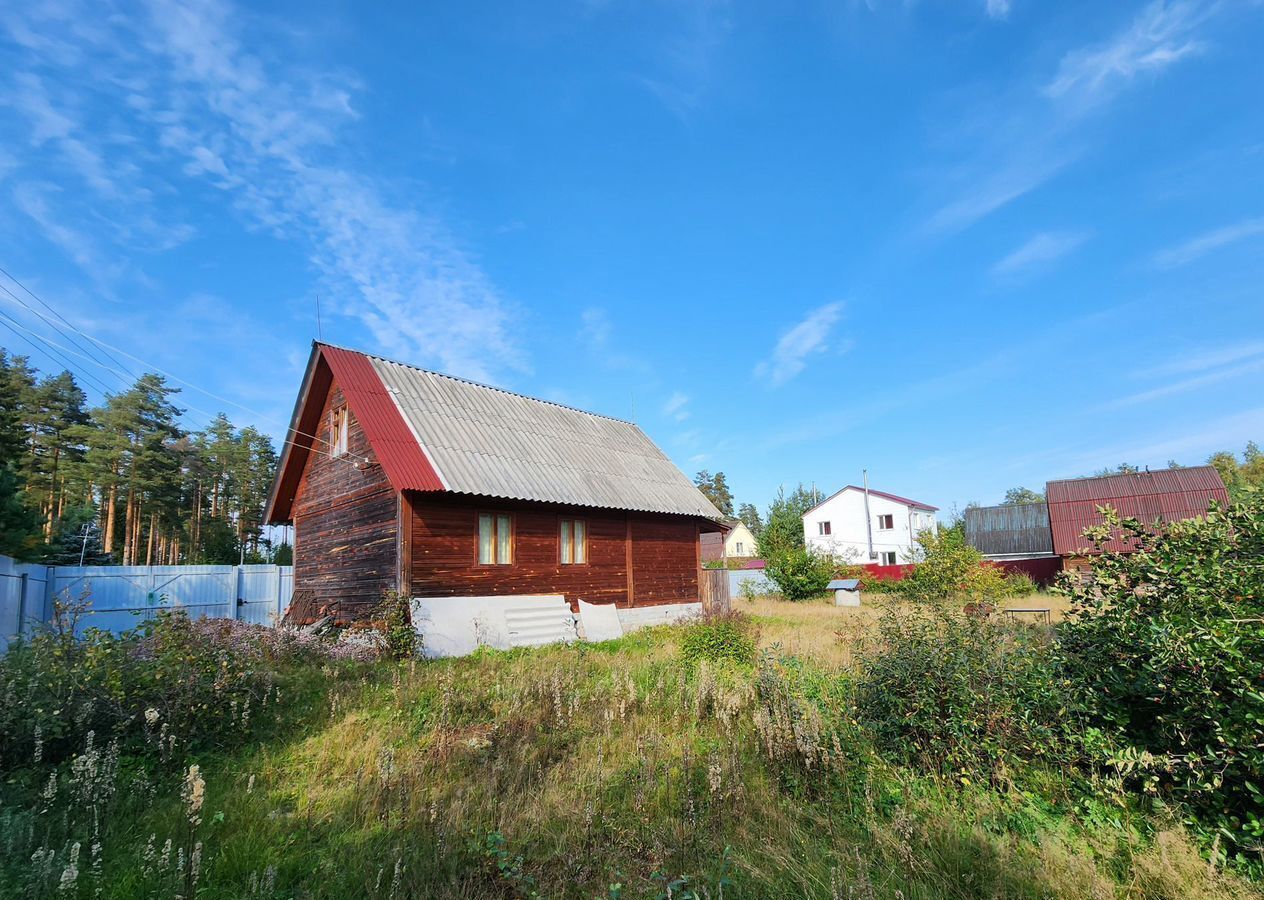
x,y
822,528
495,539
887,558
338,432
886,522
574,539
739,548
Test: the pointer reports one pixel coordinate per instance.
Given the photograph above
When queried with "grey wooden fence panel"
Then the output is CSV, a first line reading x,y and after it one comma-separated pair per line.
x,y
121,597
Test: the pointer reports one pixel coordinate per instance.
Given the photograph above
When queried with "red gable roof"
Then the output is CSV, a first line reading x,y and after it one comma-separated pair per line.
x,y
402,459
894,497
1168,495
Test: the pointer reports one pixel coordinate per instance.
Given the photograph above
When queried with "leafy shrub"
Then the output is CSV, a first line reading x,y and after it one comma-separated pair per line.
x,y
1019,584
950,569
799,574
1167,644
955,692
726,636
173,681
395,612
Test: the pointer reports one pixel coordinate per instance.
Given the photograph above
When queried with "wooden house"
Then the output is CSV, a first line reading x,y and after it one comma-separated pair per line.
x,y
400,479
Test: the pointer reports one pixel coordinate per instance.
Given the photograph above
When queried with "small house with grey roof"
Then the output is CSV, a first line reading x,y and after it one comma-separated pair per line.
x,y
400,479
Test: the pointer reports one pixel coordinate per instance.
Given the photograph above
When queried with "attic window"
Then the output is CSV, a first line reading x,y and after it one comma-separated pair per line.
x,y
338,432
495,539
574,541
823,528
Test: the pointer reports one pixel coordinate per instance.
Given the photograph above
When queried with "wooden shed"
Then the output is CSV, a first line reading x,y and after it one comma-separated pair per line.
x,y
401,479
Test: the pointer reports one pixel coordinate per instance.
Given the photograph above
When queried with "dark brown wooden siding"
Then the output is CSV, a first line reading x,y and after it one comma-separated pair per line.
x,y
444,553
665,560
345,524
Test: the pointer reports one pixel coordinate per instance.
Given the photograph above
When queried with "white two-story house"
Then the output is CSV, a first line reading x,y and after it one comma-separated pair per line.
x,y
867,526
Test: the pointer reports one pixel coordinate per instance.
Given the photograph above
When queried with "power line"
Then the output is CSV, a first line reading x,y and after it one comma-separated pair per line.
x,y
46,305
126,375
354,462
6,319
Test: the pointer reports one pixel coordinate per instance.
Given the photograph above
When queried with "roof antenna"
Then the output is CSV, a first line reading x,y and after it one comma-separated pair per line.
x,y
632,395
318,334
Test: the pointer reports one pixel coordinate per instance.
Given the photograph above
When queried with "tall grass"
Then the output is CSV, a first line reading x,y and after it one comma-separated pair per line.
x,y
612,770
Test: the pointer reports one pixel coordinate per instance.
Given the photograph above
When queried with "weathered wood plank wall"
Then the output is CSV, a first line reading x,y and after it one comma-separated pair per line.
x,y
345,524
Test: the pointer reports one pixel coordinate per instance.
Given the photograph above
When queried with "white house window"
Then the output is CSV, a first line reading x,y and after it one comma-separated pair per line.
x,y
887,558
886,522
574,542
822,528
495,539
338,432
739,547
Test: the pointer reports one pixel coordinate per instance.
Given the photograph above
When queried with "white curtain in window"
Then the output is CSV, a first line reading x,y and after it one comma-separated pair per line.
x,y
486,548
581,544
567,558
503,534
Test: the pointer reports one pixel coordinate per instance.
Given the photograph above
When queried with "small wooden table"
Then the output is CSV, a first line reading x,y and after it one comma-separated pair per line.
x,y
1041,611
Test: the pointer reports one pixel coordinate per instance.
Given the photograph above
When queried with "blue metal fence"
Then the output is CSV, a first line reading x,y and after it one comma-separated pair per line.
x,y
121,597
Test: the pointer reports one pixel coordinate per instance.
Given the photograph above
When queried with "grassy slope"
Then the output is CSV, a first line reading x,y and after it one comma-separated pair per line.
x,y
567,770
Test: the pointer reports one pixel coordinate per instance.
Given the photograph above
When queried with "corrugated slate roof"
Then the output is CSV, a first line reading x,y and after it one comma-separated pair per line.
x,y
1167,495
490,442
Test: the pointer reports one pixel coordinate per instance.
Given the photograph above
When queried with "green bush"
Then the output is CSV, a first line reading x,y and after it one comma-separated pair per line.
x,y
1019,584
1167,645
171,684
950,569
955,692
799,574
395,611
728,636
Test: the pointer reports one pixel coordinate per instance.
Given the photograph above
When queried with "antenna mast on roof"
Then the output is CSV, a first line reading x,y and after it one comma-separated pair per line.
x,y
318,334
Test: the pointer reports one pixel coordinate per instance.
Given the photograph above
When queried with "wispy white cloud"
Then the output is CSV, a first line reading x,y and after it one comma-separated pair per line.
x,y
1185,385
1190,250
998,9
1196,360
1161,35
191,102
1011,143
812,335
675,406
682,62
594,327
1040,250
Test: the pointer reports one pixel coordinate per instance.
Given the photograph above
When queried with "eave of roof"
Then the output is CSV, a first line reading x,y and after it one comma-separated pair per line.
x,y
894,497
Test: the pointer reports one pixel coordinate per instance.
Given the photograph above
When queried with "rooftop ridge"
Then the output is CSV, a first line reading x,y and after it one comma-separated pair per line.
x,y
1130,474
473,383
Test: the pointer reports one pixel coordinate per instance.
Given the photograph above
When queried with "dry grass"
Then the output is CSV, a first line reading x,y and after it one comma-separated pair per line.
x,y
828,634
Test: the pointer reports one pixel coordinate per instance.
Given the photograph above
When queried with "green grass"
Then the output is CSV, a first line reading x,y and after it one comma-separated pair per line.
x,y
598,771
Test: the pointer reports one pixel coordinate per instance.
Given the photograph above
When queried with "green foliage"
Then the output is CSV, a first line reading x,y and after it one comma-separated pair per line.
x,y
948,568
283,554
1167,645
173,682
750,515
395,612
964,693
1240,476
716,489
799,574
1020,495
731,637
783,526
1019,584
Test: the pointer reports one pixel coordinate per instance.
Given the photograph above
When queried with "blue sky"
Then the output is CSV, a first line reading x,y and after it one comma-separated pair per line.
x,y
967,245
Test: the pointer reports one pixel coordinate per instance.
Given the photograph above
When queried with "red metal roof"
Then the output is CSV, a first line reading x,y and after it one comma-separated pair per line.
x,y
1168,495
403,461
397,449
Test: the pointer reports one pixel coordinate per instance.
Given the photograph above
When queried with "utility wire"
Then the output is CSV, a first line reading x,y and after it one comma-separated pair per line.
x,y
47,306
316,440
106,347
126,376
9,322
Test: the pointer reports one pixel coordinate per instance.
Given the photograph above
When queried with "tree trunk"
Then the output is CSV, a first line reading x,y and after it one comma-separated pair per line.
x,y
110,504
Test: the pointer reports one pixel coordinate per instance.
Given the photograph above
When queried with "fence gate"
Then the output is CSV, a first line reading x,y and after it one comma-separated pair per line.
x,y
714,590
